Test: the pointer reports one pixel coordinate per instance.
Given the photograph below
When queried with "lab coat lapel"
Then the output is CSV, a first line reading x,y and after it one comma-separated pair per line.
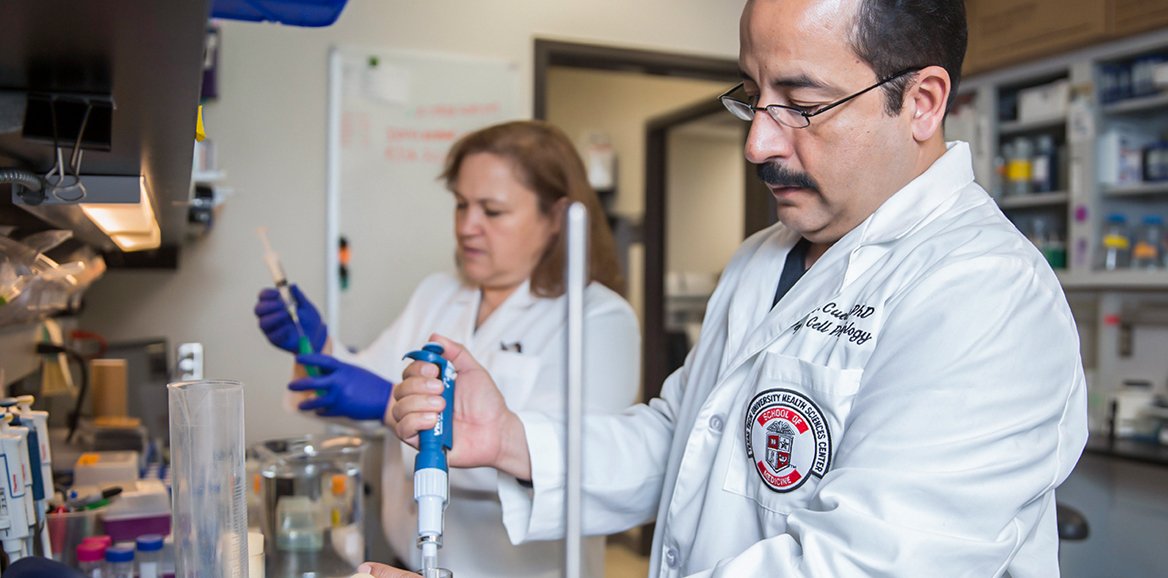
x,y
914,204
494,328
469,298
821,282
756,288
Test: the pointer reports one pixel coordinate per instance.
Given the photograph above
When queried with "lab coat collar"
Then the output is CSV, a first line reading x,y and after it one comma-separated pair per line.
x,y
909,206
752,299
521,298
471,297
901,213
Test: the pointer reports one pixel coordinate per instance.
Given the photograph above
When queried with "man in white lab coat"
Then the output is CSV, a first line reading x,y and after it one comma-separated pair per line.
x,y
887,383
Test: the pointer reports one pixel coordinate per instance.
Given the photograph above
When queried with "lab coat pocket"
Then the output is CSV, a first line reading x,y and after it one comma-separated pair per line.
x,y
787,429
515,375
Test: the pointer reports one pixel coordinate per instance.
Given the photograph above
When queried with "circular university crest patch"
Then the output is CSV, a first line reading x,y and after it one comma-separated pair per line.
x,y
787,439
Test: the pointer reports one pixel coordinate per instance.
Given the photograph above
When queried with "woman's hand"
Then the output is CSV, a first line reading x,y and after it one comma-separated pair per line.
x,y
486,433
342,389
277,324
383,571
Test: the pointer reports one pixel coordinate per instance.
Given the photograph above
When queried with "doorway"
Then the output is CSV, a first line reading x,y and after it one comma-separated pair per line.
x,y
588,89
660,114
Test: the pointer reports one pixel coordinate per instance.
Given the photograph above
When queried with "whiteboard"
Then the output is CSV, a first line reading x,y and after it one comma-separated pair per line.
x,y
392,117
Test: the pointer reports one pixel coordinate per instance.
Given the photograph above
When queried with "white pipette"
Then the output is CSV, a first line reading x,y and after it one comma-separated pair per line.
x,y
40,423
14,535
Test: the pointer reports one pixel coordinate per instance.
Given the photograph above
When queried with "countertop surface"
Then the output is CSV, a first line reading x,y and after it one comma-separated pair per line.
x,y
1127,449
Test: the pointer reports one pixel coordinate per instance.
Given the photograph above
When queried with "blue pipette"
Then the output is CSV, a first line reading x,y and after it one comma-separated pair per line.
x,y
431,484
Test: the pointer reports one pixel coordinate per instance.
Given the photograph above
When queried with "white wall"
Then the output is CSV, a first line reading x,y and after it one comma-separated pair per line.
x,y
706,204
620,104
269,124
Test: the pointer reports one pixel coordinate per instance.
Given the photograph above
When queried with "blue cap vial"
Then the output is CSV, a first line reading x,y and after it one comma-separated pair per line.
x,y
119,554
149,543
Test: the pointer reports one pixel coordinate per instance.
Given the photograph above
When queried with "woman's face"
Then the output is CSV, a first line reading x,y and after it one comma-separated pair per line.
x,y
500,230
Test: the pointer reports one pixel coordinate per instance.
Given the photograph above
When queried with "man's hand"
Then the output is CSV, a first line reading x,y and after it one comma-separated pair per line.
x,y
383,571
486,433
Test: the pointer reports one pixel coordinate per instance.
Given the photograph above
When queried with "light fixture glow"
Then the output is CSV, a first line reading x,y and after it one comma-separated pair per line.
x,y
131,226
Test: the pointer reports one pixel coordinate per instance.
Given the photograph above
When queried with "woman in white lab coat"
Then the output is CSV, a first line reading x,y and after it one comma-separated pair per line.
x,y
511,183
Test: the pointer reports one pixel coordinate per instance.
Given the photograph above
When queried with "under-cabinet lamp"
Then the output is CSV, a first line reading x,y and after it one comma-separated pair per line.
x,y
131,226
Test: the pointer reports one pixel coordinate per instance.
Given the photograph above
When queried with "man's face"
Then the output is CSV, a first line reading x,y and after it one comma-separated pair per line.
x,y
831,175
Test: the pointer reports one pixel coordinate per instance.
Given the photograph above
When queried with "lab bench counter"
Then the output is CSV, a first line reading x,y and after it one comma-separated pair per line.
x,y
1127,449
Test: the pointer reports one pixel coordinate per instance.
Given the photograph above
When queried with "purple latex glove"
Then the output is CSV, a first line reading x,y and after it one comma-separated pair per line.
x,y
343,390
277,324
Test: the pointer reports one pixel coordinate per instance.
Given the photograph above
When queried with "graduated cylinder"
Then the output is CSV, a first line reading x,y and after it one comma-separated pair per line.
x,y
208,491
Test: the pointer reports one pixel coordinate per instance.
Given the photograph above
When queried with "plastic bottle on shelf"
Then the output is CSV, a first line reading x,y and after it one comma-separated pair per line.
x,y
1115,248
1002,165
1018,167
1055,251
999,177
119,562
149,556
1037,234
1156,162
1146,251
90,559
1042,165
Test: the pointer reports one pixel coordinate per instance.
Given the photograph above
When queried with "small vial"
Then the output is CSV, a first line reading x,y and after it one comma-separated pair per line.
x,y
104,540
119,562
149,556
89,558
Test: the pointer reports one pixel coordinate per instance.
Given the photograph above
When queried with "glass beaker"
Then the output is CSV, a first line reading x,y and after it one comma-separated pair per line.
x,y
208,477
311,491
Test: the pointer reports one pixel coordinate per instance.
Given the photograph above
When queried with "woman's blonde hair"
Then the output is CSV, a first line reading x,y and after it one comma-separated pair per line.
x,y
546,162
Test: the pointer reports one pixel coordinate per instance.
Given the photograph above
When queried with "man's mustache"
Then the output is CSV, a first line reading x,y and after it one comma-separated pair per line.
x,y
777,175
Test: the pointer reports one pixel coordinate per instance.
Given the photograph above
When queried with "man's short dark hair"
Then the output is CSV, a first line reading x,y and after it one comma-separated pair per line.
x,y
896,35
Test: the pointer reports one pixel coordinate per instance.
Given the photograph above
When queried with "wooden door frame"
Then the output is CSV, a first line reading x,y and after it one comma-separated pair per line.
x,y
550,53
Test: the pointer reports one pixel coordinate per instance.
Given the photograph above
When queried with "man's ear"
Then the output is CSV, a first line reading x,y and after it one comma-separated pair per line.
x,y
926,100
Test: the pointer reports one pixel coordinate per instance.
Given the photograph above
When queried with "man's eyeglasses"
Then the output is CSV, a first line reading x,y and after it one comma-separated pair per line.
x,y
791,116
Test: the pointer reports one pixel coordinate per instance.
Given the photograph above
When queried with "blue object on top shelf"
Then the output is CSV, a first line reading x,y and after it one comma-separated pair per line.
x,y
293,12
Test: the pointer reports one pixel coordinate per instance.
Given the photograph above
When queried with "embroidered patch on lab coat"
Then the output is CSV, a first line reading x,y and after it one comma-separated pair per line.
x,y
787,439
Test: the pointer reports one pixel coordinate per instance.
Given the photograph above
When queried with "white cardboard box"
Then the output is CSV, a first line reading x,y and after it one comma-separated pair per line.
x,y
1046,102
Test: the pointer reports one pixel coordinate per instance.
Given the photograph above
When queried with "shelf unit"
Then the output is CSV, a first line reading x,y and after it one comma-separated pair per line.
x,y
1055,199
1137,105
1129,280
1137,190
1078,210
1015,127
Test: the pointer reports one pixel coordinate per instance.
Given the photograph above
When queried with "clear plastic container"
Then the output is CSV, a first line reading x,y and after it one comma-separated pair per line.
x,y
1002,171
1147,248
119,562
300,524
90,558
149,556
208,479
1115,247
1042,165
1018,167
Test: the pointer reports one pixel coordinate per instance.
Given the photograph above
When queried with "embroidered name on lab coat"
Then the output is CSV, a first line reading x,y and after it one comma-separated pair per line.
x,y
840,322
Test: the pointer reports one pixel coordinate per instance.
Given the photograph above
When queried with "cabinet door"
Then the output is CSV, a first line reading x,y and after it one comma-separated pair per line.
x,y
1131,16
972,63
1010,31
